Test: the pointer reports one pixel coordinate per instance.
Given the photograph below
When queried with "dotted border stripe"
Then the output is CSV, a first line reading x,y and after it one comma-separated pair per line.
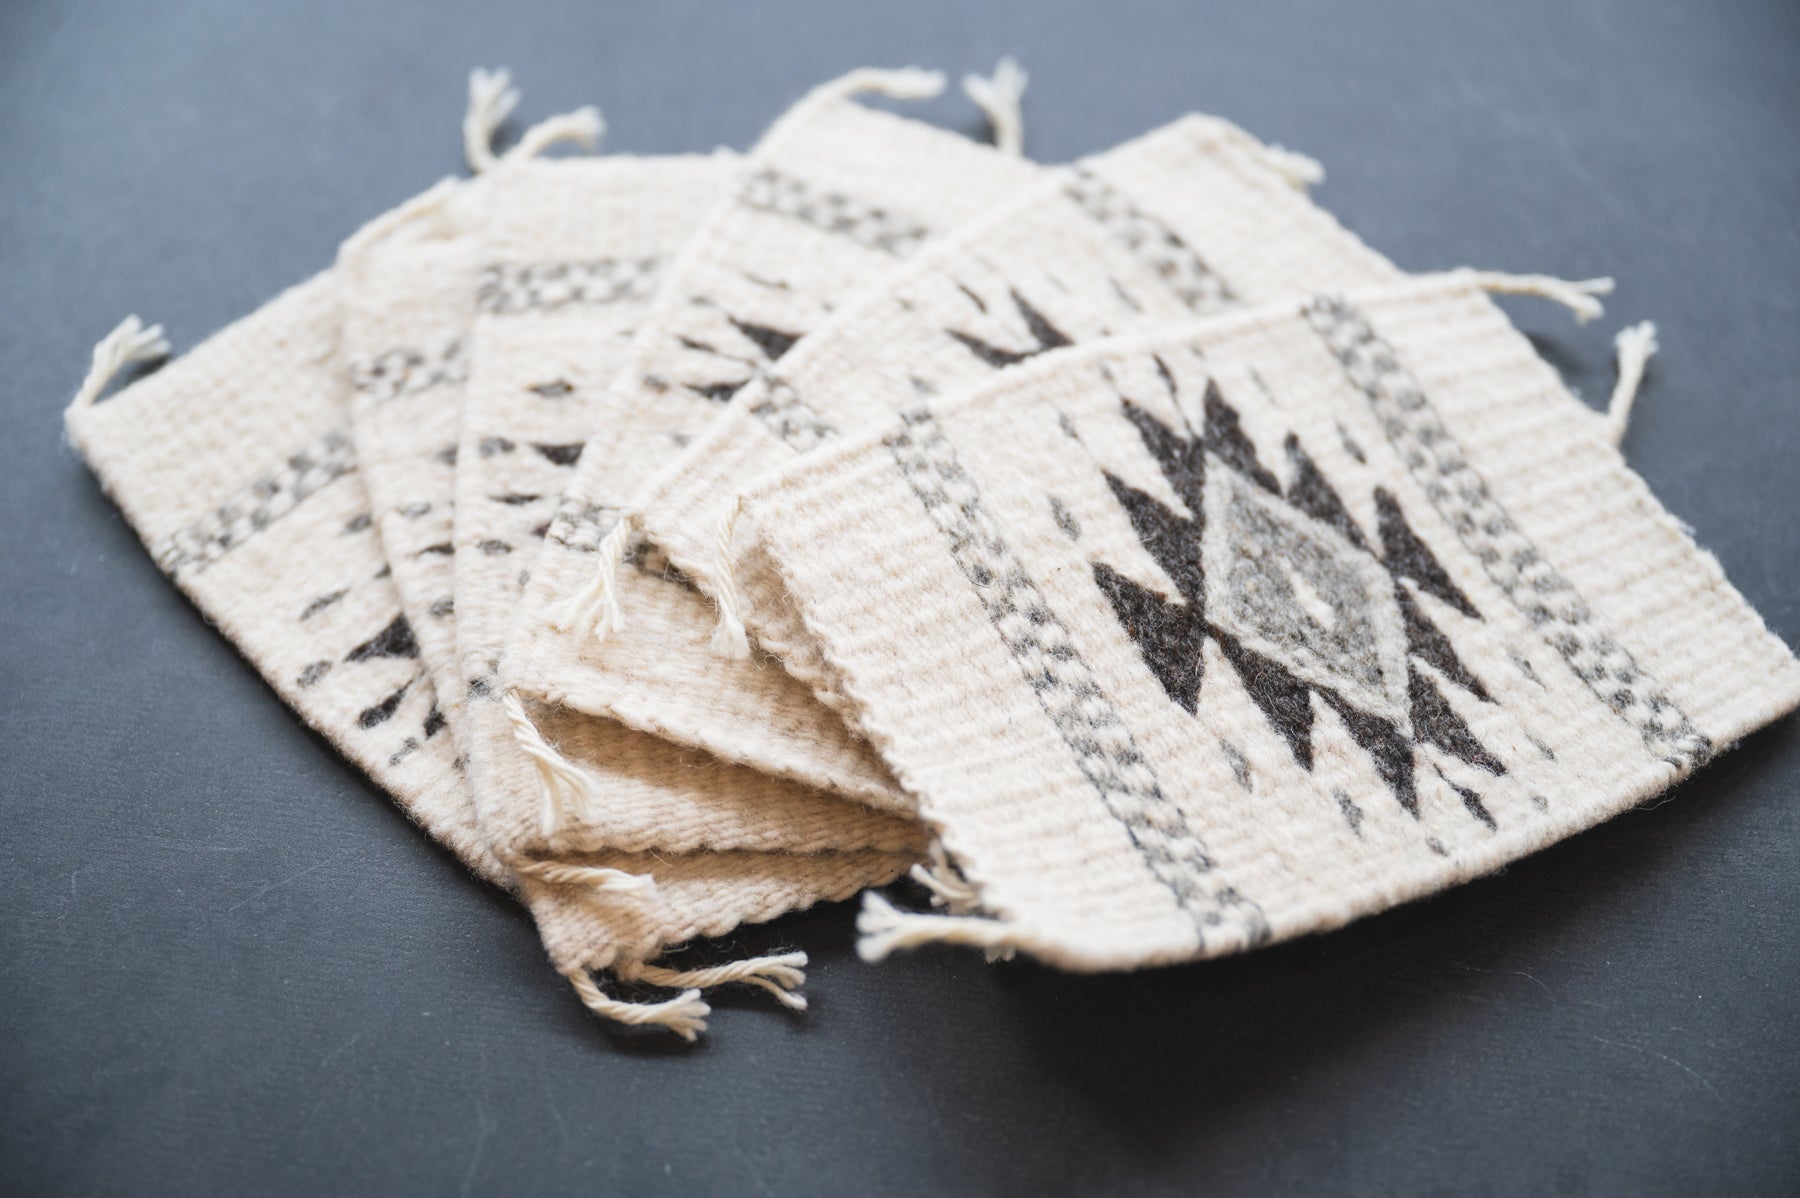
x,y
400,372
257,506
507,289
1090,724
772,191
1160,247
1440,466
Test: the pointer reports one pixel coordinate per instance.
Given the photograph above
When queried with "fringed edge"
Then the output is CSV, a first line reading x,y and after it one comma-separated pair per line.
x,y
685,1014
899,83
597,878
1302,171
781,975
562,784
1000,96
130,342
1635,346
594,610
492,98
1577,295
885,929
730,639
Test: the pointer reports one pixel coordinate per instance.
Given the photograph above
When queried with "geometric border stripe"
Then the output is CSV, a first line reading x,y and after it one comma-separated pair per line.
x,y
1441,467
507,288
1158,246
874,228
258,505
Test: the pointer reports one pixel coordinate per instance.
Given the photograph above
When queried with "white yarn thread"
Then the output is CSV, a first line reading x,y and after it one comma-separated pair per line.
x,y
492,98
949,889
885,930
1300,170
685,1014
604,880
780,975
585,127
1577,295
729,639
1000,97
1635,345
594,609
562,785
130,342
902,83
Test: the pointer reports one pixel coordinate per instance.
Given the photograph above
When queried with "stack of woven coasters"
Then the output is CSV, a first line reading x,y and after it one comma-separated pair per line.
x,y
1123,549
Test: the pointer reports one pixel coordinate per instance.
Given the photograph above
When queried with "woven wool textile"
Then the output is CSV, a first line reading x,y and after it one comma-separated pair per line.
x,y
569,254
1202,639
408,293
1191,219
834,195
235,466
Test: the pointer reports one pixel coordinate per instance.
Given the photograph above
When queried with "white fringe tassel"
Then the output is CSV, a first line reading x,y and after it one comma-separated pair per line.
x,y
885,929
1635,345
595,608
1000,96
949,889
563,785
1300,170
130,342
780,975
904,83
685,1014
1577,295
492,98
729,637
606,881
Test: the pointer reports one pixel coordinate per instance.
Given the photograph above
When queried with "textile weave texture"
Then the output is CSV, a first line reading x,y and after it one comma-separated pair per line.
x,y
1220,635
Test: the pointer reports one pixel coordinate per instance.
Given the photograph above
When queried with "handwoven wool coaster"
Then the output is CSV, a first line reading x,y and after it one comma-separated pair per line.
x,y
833,195
1194,218
570,253
1200,639
409,295
234,464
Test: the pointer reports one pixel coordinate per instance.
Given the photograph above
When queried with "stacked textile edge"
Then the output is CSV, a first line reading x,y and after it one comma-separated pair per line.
x,y
1123,549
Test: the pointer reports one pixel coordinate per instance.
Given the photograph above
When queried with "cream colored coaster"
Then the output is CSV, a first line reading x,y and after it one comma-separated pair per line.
x,y
409,295
570,254
1197,640
1194,218
235,465
834,195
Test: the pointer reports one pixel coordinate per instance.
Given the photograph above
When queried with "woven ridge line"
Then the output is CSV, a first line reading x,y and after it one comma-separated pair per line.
x,y
781,194
406,371
507,289
277,492
1090,725
1546,598
1160,247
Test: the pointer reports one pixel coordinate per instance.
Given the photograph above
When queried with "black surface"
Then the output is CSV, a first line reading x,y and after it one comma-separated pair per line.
x,y
226,962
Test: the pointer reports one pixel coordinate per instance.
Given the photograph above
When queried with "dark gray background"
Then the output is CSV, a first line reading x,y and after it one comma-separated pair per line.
x,y
225,961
